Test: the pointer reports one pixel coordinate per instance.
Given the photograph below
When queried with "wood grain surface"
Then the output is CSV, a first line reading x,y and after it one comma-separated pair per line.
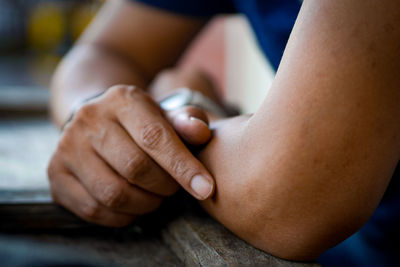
x,y
25,148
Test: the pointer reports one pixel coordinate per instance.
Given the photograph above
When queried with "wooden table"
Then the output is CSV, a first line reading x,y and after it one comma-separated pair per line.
x,y
178,234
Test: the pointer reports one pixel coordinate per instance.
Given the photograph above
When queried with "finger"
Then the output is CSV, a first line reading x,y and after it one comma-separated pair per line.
x,y
118,149
191,124
143,120
107,187
68,192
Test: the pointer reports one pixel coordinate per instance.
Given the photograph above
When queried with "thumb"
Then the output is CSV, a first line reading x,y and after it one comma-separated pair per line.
x,y
191,124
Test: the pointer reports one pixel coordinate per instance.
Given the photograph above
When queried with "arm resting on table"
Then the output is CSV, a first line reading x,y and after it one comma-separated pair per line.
x,y
311,165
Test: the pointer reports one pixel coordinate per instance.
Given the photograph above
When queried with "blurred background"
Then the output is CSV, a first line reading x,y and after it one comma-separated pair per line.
x,y
34,35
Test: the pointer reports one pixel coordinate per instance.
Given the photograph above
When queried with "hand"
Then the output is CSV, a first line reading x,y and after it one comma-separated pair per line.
x,y
120,156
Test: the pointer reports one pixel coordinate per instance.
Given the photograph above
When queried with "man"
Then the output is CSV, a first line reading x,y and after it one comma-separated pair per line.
x,y
299,176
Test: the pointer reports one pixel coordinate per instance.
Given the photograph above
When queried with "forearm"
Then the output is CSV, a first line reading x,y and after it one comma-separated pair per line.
x,y
88,70
309,168
127,42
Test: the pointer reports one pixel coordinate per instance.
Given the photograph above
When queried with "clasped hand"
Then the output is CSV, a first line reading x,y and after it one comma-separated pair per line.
x,y
121,155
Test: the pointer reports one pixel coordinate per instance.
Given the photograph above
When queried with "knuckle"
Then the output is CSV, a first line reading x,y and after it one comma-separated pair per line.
x,y
87,123
121,91
113,195
86,113
153,135
117,91
134,91
137,94
90,210
135,167
179,169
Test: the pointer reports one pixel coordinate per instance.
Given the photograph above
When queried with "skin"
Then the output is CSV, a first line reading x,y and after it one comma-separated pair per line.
x,y
324,144
312,164
121,155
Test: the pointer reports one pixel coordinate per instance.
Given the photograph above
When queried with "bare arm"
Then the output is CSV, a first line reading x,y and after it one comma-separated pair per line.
x,y
311,165
128,43
120,154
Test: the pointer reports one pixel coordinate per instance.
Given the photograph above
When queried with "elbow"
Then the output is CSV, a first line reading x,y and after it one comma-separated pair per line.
x,y
270,206
298,237
295,231
290,244
281,237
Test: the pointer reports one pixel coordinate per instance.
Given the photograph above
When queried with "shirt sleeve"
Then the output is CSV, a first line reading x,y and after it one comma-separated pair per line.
x,y
197,8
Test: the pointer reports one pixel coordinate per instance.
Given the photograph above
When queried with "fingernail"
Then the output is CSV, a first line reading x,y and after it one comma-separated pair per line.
x,y
201,186
196,119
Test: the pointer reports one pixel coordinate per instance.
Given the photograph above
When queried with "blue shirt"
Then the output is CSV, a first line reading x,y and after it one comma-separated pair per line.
x,y
376,244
